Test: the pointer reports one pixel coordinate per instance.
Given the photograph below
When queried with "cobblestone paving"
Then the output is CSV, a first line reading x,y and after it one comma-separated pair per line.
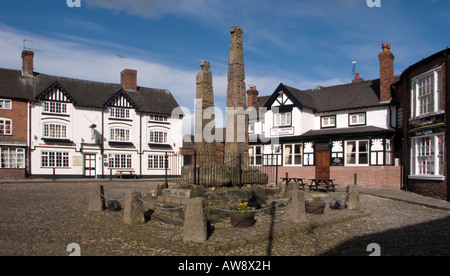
x,y
44,218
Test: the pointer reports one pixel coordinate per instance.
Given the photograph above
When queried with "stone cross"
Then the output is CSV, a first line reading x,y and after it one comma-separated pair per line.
x,y
204,135
236,141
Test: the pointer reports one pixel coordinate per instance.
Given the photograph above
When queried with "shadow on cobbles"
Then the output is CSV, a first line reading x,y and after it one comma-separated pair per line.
x,y
425,239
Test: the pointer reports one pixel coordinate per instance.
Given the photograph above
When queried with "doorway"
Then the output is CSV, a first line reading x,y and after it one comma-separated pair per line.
x,y
89,165
323,159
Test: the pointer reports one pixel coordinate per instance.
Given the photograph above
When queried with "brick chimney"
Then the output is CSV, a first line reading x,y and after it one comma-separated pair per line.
x,y
386,72
252,96
358,78
27,63
129,79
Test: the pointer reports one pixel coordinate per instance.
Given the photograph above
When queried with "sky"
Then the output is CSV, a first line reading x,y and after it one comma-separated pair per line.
x,y
301,43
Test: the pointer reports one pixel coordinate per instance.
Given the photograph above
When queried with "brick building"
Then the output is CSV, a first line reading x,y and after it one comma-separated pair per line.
x,y
14,118
424,92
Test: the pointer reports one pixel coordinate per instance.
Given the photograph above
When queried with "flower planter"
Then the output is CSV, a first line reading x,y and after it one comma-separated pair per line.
x,y
242,220
317,208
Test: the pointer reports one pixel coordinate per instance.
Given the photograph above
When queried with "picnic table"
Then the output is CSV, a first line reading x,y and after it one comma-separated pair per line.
x,y
320,183
297,180
121,172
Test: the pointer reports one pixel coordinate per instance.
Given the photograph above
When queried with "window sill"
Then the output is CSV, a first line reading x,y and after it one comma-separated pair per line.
x,y
427,177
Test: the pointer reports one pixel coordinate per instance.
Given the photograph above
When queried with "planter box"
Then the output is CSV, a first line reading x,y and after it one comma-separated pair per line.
x,y
315,208
242,220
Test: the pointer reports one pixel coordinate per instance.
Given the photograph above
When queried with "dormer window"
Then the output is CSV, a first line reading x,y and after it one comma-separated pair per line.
x,y
158,118
55,108
5,104
328,122
357,119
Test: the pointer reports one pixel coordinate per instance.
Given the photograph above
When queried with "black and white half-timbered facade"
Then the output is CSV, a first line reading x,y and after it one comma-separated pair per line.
x,y
82,128
332,132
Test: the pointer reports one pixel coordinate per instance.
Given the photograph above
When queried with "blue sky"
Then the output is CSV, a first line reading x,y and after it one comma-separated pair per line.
x,y
300,43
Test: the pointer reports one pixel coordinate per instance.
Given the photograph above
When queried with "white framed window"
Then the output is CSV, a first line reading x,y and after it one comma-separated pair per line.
x,y
357,119
119,113
158,162
427,156
120,161
5,104
251,128
158,118
282,119
56,131
55,108
5,127
120,135
293,154
54,159
328,121
12,158
158,137
426,93
357,153
255,153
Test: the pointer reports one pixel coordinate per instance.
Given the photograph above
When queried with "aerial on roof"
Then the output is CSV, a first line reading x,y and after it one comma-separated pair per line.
x,y
83,93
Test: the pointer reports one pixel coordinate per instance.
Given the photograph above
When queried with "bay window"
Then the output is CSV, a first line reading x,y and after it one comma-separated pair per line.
x,y
427,156
12,158
158,137
120,135
56,131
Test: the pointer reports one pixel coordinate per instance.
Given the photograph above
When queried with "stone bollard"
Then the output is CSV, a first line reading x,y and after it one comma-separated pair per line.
x,y
133,211
353,198
96,198
295,210
195,225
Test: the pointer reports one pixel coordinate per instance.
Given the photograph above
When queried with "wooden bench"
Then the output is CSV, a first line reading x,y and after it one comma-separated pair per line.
x,y
120,173
322,183
297,180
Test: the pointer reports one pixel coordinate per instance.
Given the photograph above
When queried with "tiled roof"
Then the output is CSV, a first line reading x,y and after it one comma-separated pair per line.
x,y
84,93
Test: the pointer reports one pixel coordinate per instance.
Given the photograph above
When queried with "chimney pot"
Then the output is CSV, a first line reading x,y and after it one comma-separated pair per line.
x,y
386,72
129,79
252,96
27,63
358,78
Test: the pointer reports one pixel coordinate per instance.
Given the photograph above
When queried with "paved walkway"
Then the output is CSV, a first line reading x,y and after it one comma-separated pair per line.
x,y
408,197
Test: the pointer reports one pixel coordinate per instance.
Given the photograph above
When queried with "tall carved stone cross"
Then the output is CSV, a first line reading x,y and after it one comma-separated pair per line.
x,y
236,141
204,135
